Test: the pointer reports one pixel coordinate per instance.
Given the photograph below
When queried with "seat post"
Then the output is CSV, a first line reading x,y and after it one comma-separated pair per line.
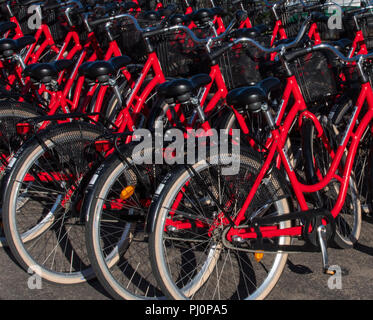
x,y
268,116
20,60
113,83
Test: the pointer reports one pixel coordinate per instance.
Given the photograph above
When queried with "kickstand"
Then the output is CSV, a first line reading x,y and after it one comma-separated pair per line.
x,y
321,231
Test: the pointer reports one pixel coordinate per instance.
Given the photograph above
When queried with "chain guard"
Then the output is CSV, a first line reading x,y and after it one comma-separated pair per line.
x,y
310,219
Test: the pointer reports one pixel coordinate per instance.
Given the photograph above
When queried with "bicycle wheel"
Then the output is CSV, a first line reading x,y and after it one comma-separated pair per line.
x,y
10,114
47,234
188,248
115,232
348,221
363,160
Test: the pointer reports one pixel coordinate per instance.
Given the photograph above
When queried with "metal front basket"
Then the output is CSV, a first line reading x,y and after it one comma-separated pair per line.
x,y
351,74
366,25
131,41
240,66
315,77
50,18
177,53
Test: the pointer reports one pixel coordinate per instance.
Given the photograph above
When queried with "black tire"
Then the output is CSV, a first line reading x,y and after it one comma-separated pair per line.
x,y
118,248
348,221
50,171
241,281
10,114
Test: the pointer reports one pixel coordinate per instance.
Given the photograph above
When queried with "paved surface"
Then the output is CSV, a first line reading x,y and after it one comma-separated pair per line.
x,y
301,280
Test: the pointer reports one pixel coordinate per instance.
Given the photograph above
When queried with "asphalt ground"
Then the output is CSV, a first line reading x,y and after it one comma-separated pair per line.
x,y
302,278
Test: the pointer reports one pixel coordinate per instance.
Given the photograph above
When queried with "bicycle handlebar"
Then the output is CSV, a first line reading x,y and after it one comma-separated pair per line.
x,y
153,31
280,47
321,5
340,55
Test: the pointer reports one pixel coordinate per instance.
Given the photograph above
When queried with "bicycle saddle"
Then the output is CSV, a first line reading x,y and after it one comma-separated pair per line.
x,y
8,47
251,98
177,19
46,72
129,5
152,15
305,40
203,16
319,17
249,32
101,70
341,44
7,26
181,89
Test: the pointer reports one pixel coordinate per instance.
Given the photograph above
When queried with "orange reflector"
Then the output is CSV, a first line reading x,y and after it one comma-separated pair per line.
x,y
258,256
127,192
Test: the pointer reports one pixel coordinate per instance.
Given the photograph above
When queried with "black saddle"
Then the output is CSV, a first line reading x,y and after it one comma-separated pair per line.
x,y
46,72
249,32
304,41
180,90
252,98
127,6
203,16
9,47
101,70
342,44
6,26
178,19
152,15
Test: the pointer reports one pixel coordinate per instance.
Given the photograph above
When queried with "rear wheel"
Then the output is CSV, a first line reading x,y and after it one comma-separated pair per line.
x,y
47,234
12,113
115,234
348,222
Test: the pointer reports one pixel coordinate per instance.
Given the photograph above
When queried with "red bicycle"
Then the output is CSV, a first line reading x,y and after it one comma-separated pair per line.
x,y
239,226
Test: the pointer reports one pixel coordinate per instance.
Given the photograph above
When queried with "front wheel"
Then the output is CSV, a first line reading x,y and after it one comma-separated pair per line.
x,y
188,244
319,159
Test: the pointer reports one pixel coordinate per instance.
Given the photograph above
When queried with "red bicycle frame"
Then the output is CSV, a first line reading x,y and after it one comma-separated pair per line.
x,y
278,139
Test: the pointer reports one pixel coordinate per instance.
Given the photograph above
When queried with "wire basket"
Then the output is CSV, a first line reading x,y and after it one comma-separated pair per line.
x,y
352,76
177,53
241,66
315,76
292,18
50,18
366,25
